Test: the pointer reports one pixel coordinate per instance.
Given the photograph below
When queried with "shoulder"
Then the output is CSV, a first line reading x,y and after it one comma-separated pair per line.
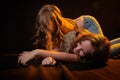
x,y
88,18
84,17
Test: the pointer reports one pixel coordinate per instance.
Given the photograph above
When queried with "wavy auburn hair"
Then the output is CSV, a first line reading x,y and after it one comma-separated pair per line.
x,y
45,33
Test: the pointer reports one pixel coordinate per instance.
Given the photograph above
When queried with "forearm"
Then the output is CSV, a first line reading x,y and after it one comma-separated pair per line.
x,y
62,56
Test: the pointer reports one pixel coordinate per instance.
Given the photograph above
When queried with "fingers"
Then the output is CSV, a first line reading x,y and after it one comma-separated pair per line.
x,y
54,62
48,61
22,59
19,59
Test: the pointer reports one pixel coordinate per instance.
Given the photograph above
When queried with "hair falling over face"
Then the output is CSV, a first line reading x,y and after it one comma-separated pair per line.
x,y
48,33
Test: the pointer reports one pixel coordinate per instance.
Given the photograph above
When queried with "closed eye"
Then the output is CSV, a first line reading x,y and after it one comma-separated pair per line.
x,y
74,46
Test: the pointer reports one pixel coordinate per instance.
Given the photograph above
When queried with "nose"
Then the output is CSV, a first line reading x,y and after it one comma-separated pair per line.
x,y
78,46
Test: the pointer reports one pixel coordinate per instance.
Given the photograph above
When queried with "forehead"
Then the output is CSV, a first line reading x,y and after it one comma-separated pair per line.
x,y
87,46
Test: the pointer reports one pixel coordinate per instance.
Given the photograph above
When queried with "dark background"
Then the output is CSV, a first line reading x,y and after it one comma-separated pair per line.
x,y
17,28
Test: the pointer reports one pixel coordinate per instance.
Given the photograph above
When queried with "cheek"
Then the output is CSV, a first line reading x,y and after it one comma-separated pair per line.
x,y
81,54
74,50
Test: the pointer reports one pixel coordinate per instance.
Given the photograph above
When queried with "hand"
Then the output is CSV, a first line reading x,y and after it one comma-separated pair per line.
x,y
25,57
48,61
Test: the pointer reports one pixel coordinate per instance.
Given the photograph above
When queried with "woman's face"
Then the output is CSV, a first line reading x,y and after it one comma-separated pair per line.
x,y
82,48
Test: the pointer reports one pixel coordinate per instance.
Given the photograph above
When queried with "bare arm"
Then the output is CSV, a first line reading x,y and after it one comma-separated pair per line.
x,y
57,55
62,56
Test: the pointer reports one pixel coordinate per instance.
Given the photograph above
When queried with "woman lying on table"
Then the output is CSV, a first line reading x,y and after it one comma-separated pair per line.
x,y
85,47
51,38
